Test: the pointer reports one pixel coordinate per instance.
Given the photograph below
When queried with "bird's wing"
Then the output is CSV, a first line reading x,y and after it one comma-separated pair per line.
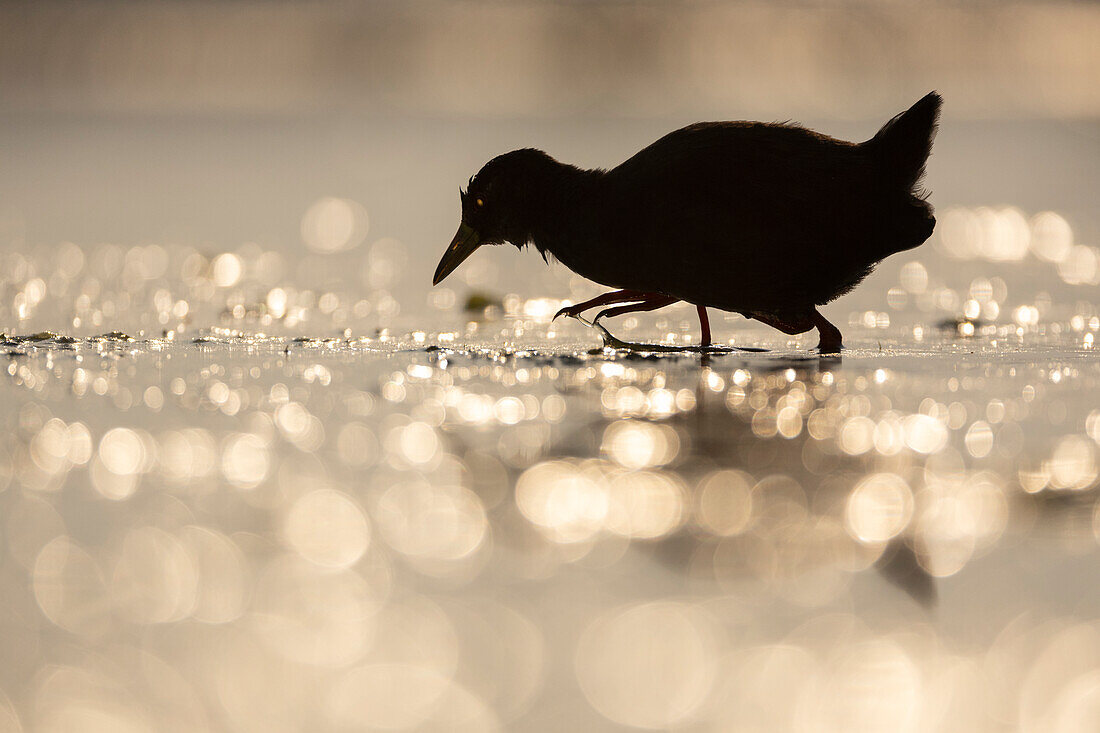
x,y
716,206
720,160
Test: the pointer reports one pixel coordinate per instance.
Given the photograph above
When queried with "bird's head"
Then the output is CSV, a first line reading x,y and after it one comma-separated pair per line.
x,y
496,206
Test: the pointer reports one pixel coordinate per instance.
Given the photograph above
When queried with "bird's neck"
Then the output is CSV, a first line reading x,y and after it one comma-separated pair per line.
x,y
566,217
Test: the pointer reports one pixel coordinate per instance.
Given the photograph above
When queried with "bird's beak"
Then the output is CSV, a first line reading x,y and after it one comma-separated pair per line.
x,y
462,246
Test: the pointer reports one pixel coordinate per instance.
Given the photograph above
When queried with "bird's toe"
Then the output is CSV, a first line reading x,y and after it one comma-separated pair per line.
x,y
572,311
602,314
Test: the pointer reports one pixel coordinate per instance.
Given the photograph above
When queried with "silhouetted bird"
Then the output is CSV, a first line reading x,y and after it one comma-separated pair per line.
x,y
766,220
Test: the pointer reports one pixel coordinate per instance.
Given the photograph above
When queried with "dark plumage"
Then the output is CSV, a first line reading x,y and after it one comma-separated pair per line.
x,y
766,220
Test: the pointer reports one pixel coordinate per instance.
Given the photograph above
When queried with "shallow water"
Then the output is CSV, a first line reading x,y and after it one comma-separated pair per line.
x,y
233,532
250,487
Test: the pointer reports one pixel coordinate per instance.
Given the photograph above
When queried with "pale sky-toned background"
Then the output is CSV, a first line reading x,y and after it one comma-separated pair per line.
x,y
215,124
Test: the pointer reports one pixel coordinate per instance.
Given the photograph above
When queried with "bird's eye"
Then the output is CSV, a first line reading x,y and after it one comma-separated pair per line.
x,y
480,202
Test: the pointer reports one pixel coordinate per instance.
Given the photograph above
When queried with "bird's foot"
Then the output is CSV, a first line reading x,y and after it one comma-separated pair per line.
x,y
651,302
615,296
613,342
830,341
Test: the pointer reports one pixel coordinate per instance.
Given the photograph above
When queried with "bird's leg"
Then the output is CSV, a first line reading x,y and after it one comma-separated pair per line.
x,y
830,341
652,302
615,296
704,323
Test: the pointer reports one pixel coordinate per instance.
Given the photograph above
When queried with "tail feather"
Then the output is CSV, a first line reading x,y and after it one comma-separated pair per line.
x,y
904,143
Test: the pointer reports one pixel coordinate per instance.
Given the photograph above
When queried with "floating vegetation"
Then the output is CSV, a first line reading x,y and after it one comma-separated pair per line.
x,y
483,305
44,336
114,336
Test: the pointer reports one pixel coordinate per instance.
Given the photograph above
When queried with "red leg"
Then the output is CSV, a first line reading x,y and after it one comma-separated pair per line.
x,y
704,323
651,303
615,296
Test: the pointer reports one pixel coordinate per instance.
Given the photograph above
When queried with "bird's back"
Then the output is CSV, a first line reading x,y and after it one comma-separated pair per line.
x,y
748,216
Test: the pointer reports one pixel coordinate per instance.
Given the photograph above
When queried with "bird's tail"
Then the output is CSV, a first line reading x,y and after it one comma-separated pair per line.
x,y
903,144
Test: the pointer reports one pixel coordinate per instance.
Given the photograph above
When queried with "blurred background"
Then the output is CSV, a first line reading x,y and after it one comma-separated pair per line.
x,y
256,474
215,124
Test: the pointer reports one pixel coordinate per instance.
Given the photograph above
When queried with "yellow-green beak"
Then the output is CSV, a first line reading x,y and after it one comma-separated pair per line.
x,y
462,246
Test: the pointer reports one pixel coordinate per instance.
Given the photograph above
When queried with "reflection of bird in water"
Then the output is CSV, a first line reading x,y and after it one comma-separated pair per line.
x,y
900,566
766,220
